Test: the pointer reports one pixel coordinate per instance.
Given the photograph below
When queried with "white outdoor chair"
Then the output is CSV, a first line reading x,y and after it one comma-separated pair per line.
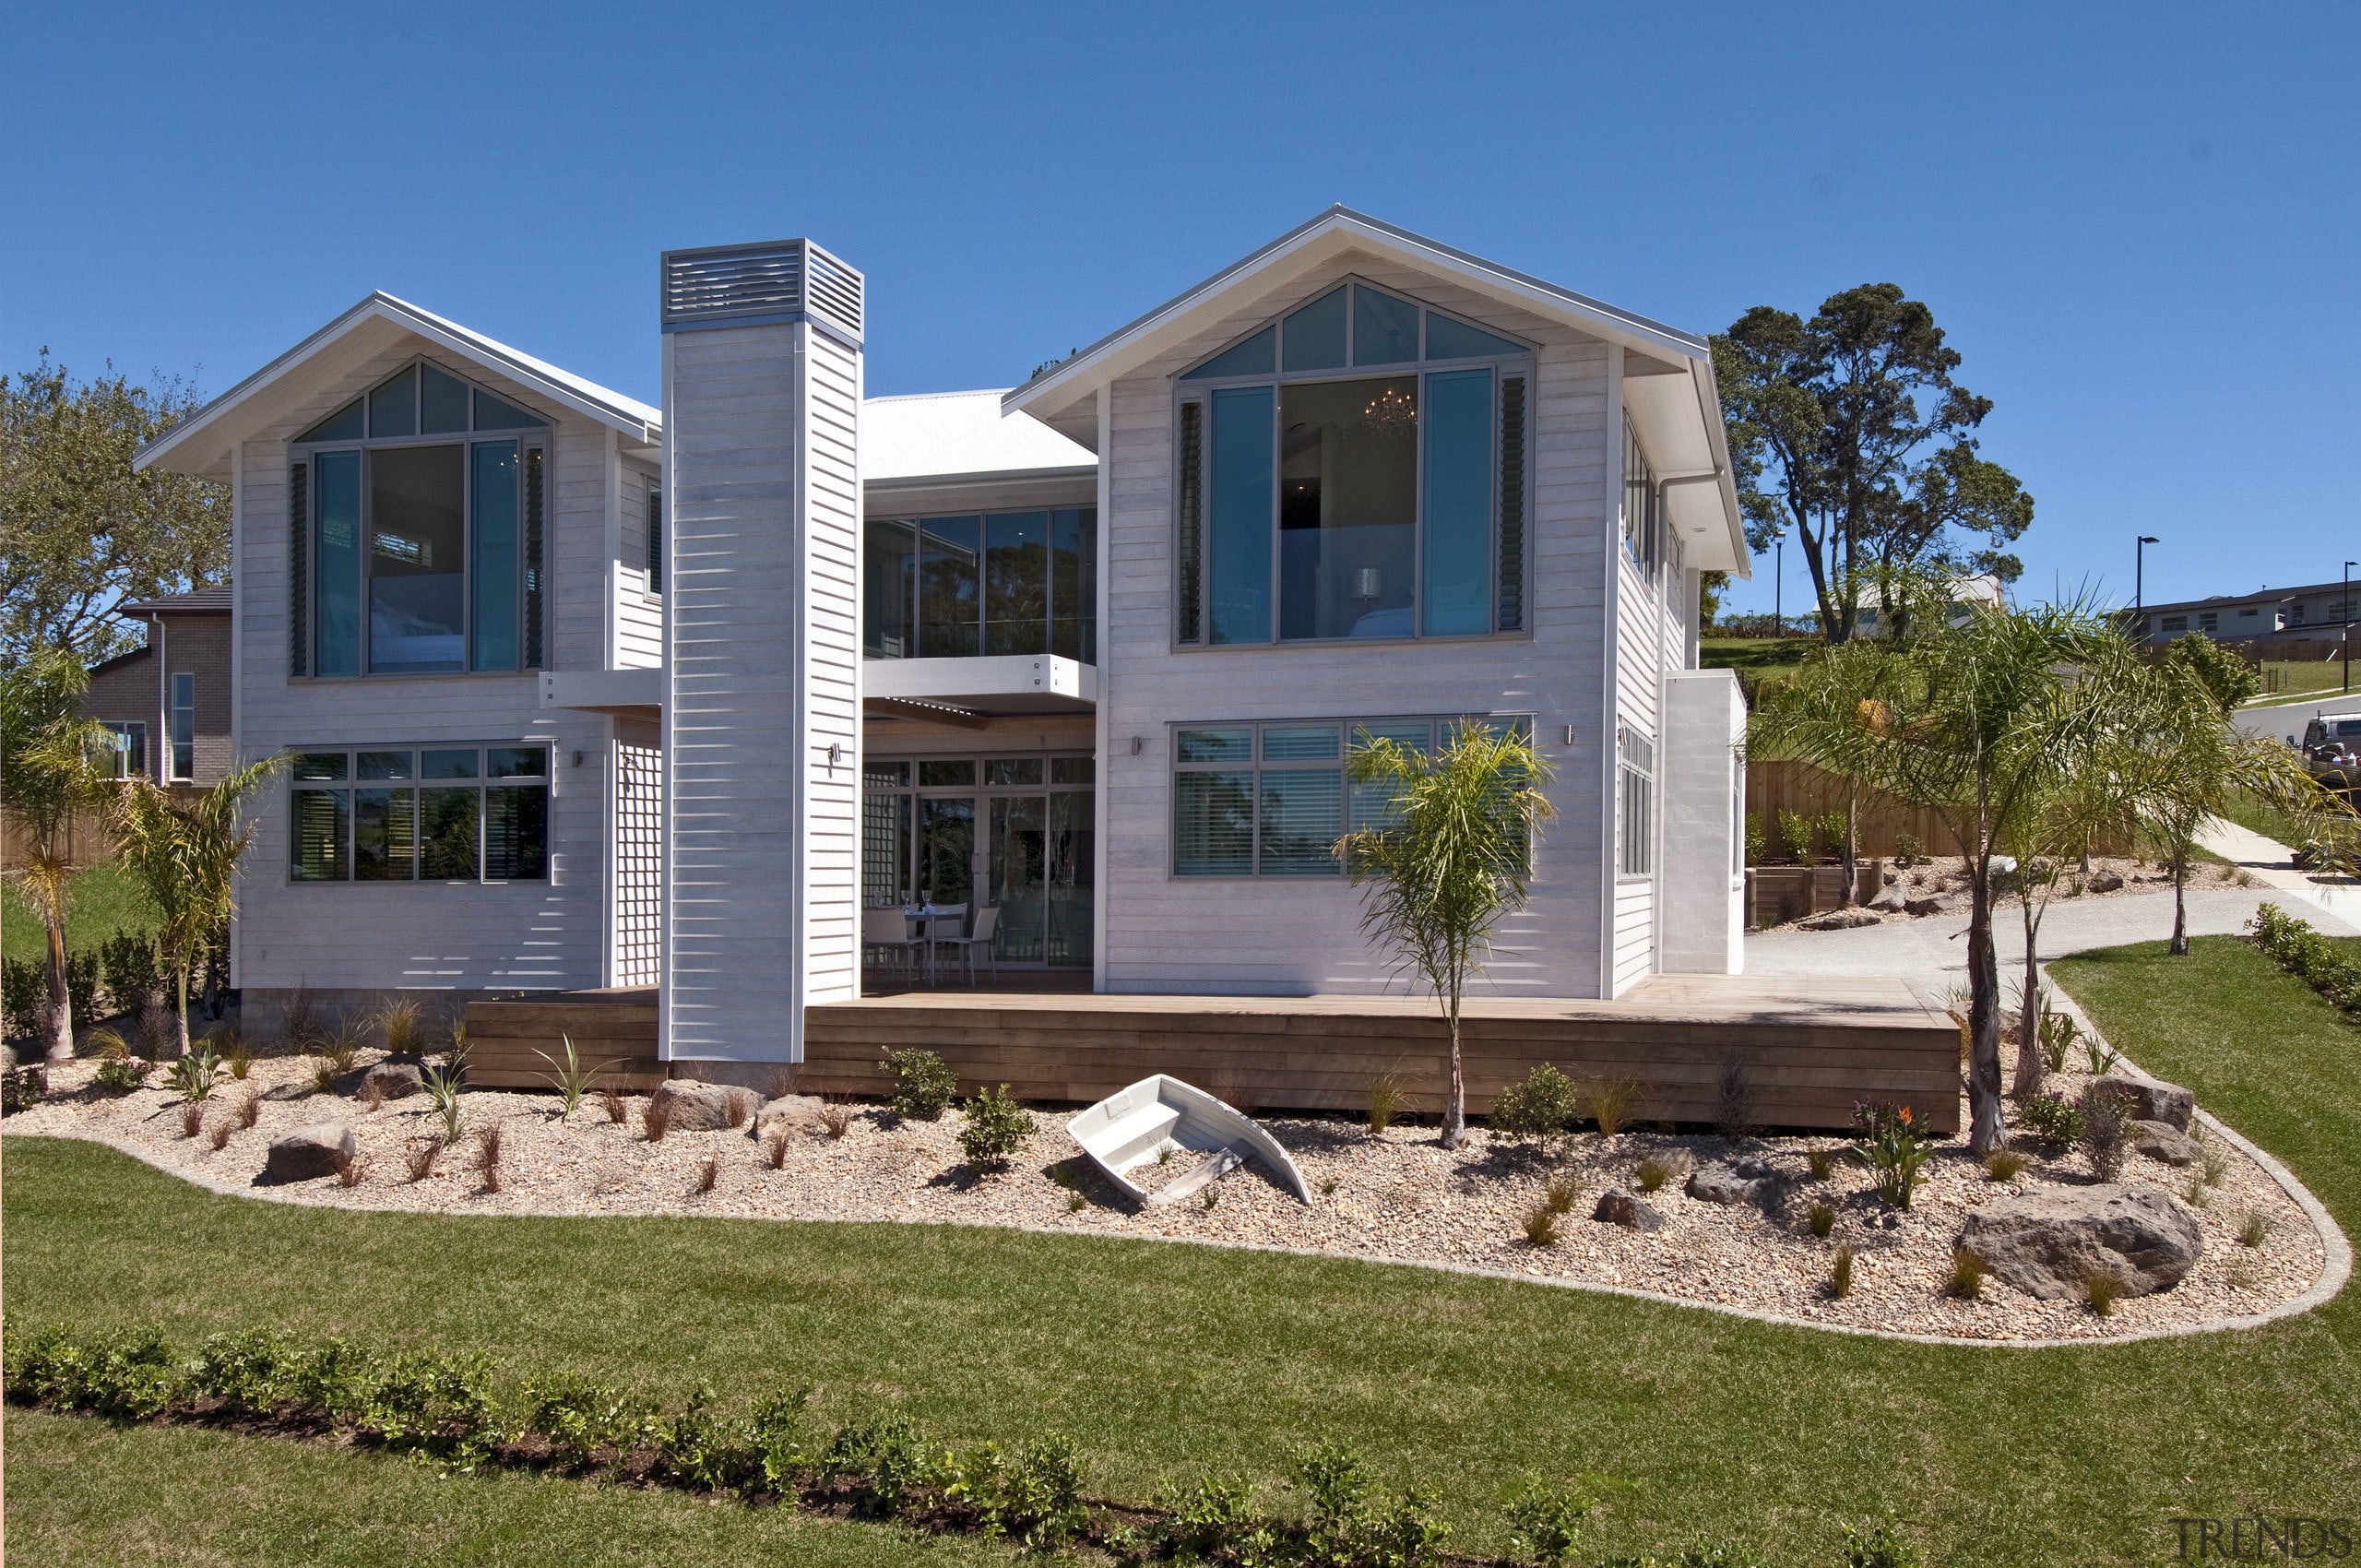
x,y
980,933
890,928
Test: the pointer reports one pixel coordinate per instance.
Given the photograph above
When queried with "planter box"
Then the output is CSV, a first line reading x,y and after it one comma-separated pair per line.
x,y
1775,895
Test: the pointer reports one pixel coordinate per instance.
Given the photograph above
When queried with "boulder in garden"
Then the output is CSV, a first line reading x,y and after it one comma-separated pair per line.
x,y
2048,1243
393,1080
1618,1207
311,1152
694,1107
788,1113
2152,1101
1719,1183
2162,1140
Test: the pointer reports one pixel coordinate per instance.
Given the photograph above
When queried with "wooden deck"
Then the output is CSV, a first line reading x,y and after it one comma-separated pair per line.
x,y
1809,1049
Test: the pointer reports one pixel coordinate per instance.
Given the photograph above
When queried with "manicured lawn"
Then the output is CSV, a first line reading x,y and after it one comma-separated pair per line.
x,y
1168,1359
104,903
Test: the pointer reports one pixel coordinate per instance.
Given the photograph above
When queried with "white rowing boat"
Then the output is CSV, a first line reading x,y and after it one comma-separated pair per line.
x,y
1160,1115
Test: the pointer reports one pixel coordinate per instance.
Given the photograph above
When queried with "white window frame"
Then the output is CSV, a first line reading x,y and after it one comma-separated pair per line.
x,y
181,729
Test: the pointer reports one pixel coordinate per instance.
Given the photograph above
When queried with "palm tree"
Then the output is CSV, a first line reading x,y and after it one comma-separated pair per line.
x,y
1977,721
49,778
2193,765
186,857
1449,854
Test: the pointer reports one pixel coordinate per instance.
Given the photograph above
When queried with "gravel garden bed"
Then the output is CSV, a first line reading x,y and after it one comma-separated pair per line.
x,y
1393,1196
1942,881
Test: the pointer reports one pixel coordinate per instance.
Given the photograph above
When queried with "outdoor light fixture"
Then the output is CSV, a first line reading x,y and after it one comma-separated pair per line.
x,y
2139,565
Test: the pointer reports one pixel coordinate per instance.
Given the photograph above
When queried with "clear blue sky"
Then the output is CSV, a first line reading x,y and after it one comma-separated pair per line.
x,y
2139,225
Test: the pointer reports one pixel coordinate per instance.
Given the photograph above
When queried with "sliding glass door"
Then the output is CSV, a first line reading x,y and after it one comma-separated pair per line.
x,y
1014,833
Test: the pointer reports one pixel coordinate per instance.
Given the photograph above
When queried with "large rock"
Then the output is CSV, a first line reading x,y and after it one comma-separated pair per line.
x,y
2106,882
1719,1183
1618,1207
393,1080
2048,1243
788,1113
703,1107
2169,1103
2162,1140
1934,904
312,1151
1840,919
1891,899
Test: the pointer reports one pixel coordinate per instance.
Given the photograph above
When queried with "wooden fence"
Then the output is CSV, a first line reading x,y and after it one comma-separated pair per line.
x,y
1799,787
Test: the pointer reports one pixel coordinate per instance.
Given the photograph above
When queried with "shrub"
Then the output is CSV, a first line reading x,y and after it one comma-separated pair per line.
x,y
2295,947
433,1405
134,971
21,1089
130,1375
191,1118
2054,1119
880,1465
2057,1033
996,1127
2107,1129
1821,1163
775,1149
738,1108
419,1155
835,1117
1887,1142
2102,1290
1212,1518
1831,832
1384,1100
1355,1521
1545,1522
245,1374
1881,1548
613,1104
1907,850
24,997
1821,1219
656,1117
1541,1224
249,1108
442,1086
1543,1105
2005,1164
579,1418
121,1074
1794,835
1612,1103
1034,1498
922,1086
237,1052
1967,1274
701,1450
1757,839
2254,1229
572,1079
1840,1277
2104,1058
1563,1191
217,1138
341,1050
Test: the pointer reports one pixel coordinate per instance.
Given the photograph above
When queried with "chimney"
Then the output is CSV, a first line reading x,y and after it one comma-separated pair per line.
x,y
762,626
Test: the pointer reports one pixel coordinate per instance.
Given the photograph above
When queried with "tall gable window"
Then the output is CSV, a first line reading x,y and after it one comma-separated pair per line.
x,y
417,514
1356,469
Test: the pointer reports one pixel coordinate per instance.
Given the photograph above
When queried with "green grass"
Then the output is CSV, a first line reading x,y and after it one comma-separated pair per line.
x,y
1754,655
2306,681
104,902
1165,1360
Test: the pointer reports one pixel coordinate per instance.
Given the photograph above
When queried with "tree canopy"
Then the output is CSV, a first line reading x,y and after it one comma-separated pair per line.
x,y
80,532
1848,431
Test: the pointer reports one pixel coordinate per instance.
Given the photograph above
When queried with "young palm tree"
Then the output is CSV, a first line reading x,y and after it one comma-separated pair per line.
x,y
2193,765
49,776
1977,721
1449,854
186,857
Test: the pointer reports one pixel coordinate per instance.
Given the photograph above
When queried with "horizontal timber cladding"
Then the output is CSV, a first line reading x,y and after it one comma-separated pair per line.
x,y
1808,1057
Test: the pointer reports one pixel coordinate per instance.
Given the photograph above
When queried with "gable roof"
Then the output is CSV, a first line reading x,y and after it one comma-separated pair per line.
x,y
943,438
201,444
217,600
1670,390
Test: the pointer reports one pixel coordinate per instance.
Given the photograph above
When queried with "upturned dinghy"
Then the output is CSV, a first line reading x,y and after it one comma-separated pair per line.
x,y
1156,1115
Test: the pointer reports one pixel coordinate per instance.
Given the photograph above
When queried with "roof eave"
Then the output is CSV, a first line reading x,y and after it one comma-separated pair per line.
x,y
201,432
1112,355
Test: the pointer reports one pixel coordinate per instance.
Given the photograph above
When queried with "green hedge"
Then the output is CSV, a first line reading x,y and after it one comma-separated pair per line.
x,y
2295,947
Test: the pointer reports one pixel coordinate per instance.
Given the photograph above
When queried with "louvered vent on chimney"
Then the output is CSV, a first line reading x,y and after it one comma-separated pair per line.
x,y
733,285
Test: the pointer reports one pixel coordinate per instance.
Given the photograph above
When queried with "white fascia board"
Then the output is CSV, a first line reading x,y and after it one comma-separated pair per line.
x,y
980,678
199,443
1337,231
603,690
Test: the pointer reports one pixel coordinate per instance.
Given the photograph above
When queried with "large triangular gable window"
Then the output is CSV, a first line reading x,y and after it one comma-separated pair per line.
x,y
1355,469
416,544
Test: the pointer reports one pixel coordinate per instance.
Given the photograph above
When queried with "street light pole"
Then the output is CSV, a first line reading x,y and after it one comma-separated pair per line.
x,y
2138,569
2345,605
1779,584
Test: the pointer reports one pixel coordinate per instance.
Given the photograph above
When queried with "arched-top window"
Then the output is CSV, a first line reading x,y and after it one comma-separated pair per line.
x,y
416,532
1355,469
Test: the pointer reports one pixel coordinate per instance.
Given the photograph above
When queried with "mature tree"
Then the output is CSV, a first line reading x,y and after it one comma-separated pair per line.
x,y
1450,858
2230,679
186,857
49,779
1848,431
1975,720
80,532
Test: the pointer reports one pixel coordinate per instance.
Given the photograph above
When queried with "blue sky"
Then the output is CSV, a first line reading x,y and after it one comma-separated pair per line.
x,y
2139,227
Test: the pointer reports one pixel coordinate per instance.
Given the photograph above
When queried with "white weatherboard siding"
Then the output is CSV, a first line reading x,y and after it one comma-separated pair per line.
x,y
1279,937
348,936
761,877
639,614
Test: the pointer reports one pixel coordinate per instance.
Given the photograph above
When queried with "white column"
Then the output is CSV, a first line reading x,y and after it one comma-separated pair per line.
x,y
1701,781
761,711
